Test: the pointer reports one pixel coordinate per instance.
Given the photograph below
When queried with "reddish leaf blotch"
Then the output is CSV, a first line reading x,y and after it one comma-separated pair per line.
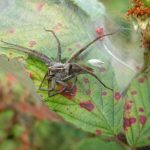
x,y
128,106
39,6
11,30
86,80
142,119
128,122
88,92
138,68
30,75
117,96
11,78
59,24
78,45
88,105
100,31
69,49
134,92
102,69
146,77
141,109
98,132
141,80
70,94
32,43
132,120
104,93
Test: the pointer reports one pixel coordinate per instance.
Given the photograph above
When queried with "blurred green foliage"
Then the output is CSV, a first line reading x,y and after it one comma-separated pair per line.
x,y
25,123
97,144
147,2
116,6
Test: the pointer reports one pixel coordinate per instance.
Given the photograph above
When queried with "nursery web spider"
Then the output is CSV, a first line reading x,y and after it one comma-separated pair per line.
x,y
58,72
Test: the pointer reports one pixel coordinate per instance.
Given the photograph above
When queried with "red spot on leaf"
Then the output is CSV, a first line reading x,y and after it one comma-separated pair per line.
x,y
88,105
30,75
98,132
32,43
128,122
141,80
11,31
69,49
40,6
59,24
86,80
88,92
24,107
70,94
100,31
78,45
104,93
141,109
57,27
121,137
138,68
132,120
134,92
102,69
11,78
146,77
142,119
117,96
2,106
25,139
128,106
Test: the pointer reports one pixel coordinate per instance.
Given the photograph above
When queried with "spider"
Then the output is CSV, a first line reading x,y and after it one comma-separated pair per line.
x,y
58,72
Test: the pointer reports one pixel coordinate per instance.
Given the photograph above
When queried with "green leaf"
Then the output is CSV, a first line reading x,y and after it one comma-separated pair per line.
x,y
147,3
14,72
90,106
97,144
136,118
8,145
91,8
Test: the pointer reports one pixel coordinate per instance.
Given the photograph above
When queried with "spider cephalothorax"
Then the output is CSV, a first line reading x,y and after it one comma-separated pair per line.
x,y
58,72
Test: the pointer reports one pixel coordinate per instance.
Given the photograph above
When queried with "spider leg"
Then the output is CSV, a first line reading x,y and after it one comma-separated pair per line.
x,y
94,75
51,87
73,85
31,52
62,90
41,84
59,45
76,54
68,77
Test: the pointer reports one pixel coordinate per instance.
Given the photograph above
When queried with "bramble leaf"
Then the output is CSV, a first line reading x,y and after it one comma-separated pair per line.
x,y
97,144
136,117
89,106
